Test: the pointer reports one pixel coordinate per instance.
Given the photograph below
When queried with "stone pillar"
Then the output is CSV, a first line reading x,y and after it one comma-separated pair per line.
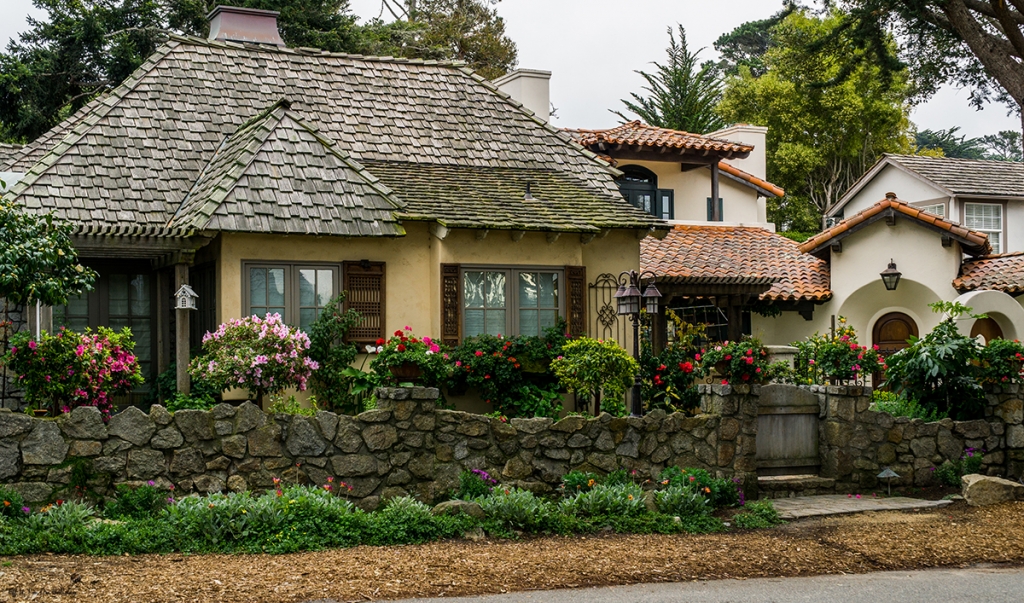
x,y
737,431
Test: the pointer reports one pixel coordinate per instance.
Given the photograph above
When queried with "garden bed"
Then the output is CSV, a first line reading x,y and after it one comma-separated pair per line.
x,y
957,535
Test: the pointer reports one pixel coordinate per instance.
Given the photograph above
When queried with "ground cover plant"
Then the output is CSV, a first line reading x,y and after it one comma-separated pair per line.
x,y
950,472
291,518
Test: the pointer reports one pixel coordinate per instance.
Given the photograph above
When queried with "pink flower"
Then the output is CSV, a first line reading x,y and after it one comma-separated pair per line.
x,y
478,353
31,344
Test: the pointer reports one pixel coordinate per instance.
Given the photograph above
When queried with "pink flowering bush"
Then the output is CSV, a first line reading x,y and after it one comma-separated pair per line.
x,y
261,355
824,359
69,369
736,363
404,348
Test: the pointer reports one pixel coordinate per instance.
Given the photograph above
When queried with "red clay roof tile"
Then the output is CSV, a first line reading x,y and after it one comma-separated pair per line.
x,y
1002,272
641,134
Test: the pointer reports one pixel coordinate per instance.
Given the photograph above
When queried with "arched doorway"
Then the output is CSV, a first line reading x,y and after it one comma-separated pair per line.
x,y
639,186
988,328
890,334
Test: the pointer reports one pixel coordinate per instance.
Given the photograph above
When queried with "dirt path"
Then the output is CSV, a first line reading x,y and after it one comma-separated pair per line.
x,y
955,535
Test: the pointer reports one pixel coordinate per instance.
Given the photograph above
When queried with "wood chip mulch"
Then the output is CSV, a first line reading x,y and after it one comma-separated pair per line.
x,y
953,536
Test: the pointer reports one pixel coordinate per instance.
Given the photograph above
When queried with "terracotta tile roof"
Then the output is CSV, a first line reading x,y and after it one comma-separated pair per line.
x,y
637,133
1002,272
751,179
735,255
973,242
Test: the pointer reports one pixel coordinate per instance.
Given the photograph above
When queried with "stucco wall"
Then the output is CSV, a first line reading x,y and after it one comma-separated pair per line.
x,y
692,189
907,187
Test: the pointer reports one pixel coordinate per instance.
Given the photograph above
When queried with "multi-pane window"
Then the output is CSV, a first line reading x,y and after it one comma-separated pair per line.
x,y
938,209
986,218
510,301
297,292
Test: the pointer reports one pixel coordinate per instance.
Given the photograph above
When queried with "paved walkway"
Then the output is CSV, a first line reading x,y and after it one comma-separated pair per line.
x,y
837,504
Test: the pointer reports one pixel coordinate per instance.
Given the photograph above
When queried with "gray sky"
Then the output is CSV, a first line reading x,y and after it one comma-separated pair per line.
x,y
593,48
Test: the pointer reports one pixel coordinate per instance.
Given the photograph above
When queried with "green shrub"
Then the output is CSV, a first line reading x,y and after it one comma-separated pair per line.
x,y
291,406
744,361
475,483
720,492
625,500
898,406
519,509
682,501
836,356
12,504
136,503
758,514
616,478
182,401
950,472
592,368
1001,361
333,382
578,481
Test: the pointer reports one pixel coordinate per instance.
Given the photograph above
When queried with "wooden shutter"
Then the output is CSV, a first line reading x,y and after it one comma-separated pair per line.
x,y
576,299
721,216
451,304
364,292
666,204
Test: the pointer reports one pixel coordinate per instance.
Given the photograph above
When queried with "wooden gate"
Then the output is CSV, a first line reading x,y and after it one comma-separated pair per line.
x,y
787,431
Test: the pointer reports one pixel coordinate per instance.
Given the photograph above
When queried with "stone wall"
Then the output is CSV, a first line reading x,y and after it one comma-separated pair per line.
x,y
406,446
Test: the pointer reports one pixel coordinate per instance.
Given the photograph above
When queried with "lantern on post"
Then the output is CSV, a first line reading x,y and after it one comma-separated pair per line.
x,y
631,303
185,298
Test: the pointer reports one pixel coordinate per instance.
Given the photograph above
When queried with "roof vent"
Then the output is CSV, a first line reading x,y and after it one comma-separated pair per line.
x,y
236,24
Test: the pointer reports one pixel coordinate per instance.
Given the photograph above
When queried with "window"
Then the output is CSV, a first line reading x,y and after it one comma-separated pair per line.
x,y
986,218
939,209
297,292
640,187
510,301
711,210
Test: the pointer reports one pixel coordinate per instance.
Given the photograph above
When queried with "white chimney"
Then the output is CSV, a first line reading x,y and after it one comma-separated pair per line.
x,y
756,163
236,24
531,87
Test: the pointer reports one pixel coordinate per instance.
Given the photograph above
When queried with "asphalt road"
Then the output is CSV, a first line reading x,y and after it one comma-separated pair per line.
x,y
981,584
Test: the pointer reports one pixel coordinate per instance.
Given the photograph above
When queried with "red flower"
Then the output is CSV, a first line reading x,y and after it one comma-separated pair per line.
x,y
725,382
750,360
401,348
478,353
398,333
696,357
662,367
686,367
728,357
403,339
380,341
750,351
746,377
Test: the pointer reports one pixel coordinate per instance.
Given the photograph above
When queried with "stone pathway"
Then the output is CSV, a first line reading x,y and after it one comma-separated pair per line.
x,y
837,504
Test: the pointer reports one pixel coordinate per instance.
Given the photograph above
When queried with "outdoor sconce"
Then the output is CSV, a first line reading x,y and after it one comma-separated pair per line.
x,y
651,299
891,276
628,297
185,298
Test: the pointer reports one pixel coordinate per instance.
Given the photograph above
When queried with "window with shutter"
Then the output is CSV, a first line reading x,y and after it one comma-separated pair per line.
x,y
576,299
451,302
711,211
666,204
364,286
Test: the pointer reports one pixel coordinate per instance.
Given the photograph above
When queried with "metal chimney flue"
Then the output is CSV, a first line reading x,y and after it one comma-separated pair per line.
x,y
235,24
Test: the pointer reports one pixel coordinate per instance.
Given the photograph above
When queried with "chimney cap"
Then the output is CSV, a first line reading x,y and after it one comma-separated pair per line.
x,y
238,24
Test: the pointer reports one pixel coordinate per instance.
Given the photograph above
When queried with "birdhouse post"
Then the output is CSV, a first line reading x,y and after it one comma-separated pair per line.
x,y
184,302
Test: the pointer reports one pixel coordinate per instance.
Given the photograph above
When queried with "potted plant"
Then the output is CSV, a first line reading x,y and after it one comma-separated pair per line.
x,y
405,358
740,362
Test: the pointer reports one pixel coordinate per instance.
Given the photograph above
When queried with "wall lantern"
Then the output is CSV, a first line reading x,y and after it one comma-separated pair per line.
x,y
185,298
651,298
891,276
628,297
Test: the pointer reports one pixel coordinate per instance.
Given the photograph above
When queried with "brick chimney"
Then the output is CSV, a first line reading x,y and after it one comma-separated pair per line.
x,y
235,24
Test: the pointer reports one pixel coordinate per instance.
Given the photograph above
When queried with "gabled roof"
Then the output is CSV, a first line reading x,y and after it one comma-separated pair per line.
x,y
956,177
1002,272
276,174
737,255
130,157
638,134
972,242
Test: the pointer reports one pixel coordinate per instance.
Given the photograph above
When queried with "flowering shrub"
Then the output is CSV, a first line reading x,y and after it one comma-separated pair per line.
x,y
69,369
403,347
475,483
668,378
736,362
1001,361
822,359
950,472
262,355
593,368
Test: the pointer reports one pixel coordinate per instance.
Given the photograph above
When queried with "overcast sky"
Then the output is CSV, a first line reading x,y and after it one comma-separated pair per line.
x,y
593,48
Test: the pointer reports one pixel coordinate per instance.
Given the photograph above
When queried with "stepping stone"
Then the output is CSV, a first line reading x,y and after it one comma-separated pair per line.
x,y
839,504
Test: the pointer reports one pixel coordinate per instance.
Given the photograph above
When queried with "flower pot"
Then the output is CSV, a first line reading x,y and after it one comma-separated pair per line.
x,y
40,412
407,371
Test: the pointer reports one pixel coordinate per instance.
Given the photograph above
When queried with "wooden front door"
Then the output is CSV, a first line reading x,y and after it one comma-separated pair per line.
x,y
892,331
987,328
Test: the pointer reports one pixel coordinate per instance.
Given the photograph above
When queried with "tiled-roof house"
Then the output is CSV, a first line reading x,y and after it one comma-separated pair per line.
x,y
273,178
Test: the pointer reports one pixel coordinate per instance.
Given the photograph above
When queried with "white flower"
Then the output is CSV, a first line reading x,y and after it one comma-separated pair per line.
x,y
370,349
428,352
380,349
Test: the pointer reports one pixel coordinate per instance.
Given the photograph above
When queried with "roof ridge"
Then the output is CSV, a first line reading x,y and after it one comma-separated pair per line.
x,y
897,156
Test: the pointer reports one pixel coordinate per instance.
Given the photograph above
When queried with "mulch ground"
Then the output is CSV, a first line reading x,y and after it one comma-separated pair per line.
x,y
953,536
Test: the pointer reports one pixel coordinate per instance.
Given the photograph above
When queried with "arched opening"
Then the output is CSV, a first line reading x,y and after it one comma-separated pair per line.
x,y
639,186
987,328
892,331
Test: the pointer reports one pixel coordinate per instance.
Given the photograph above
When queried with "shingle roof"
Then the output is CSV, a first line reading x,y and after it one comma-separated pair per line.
x,y
133,154
973,242
277,175
967,176
637,133
7,153
734,255
1002,272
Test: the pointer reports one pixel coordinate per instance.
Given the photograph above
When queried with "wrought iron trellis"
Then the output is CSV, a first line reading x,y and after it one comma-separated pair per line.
x,y
605,321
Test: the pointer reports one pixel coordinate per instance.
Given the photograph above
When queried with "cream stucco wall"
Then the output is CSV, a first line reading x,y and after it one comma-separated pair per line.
x,y
692,189
907,187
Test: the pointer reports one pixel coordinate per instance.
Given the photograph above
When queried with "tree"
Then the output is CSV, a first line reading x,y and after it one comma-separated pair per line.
x,y
950,144
974,43
1004,146
746,45
681,94
820,139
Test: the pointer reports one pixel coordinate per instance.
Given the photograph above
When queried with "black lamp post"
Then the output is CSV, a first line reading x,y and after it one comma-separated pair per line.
x,y
630,301
891,276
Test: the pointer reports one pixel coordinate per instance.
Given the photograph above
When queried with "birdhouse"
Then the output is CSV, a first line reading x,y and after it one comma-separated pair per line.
x,y
185,298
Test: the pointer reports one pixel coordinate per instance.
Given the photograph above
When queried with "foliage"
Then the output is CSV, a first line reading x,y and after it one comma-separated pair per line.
x,y
745,46
797,236
822,359
720,493
668,379
1001,361
1004,146
519,509
737,362
820,139
949,143
182,401
625,500
262,355
12,505
511,373
165,387
332,381
475,483
291,406
898,406
578,481
758,514
68,370
781,372
950,472
405,348
591,368
682,501
137,503
681,94
940,370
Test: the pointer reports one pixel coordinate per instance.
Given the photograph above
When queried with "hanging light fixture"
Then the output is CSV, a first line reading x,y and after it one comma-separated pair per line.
x,y
628,297
652,297
891,276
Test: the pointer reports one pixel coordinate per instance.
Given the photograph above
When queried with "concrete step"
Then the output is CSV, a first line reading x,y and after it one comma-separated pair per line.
x,y
788,486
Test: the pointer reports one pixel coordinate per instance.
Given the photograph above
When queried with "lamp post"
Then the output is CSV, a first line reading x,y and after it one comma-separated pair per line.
x,y
630,301
891,276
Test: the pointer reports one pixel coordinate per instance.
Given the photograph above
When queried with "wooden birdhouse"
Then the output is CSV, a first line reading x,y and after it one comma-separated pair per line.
x,y
185,298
